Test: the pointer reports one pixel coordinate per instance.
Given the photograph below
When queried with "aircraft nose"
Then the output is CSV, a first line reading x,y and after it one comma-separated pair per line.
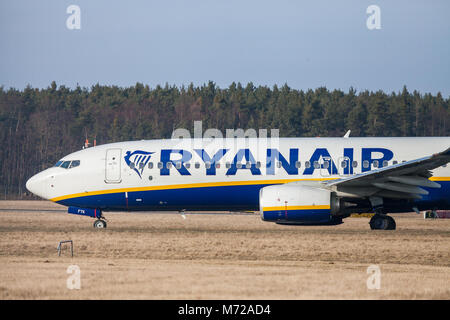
x,y
36,185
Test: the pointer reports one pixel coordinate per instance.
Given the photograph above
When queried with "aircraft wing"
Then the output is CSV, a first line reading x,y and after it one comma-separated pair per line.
x,y
401,181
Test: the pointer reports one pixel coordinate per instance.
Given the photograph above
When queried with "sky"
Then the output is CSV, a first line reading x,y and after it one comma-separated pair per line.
x,y
306,44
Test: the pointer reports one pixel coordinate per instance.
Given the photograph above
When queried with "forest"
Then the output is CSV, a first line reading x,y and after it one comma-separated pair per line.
x,y
39,126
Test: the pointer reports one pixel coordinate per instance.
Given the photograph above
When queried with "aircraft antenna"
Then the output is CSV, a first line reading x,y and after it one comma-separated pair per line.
x,y
347,134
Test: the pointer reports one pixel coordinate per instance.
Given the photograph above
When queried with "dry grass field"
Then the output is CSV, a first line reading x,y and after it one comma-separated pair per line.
x,y
222,256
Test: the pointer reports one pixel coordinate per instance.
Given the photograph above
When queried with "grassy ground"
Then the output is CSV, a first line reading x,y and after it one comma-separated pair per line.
x,y
164,256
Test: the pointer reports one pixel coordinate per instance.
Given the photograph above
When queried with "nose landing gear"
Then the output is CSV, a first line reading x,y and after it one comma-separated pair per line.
x,y
100,223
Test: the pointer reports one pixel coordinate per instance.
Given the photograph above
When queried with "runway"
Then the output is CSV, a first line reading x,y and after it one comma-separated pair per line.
x,y
217,256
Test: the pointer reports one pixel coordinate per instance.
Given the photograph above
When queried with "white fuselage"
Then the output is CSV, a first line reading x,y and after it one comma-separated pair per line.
x,y
201,174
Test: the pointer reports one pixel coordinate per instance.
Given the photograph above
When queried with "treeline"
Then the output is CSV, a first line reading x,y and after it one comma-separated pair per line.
x,y
39,126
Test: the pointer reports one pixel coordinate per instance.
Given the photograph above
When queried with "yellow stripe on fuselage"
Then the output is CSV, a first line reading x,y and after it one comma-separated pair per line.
x,y
282,208
184,186
439,179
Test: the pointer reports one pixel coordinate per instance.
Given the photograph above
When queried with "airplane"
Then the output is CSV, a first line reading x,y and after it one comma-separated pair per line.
x,y
290,181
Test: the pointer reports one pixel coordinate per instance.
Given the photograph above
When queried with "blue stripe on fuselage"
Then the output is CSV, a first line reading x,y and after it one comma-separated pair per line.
x,y
241,197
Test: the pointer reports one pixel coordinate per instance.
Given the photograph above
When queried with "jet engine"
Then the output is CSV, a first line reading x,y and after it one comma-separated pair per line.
x,y
299,204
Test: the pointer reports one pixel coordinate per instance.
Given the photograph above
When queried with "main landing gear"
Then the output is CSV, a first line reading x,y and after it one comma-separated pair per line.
x,y
380,221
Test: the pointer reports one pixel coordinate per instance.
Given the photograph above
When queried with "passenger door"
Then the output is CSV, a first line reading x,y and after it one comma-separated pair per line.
x,y
112,170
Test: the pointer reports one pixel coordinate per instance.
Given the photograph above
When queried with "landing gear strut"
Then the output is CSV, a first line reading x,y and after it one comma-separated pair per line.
x,y
380,221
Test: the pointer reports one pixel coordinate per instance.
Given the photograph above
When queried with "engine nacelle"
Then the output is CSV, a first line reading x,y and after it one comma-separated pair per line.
x,y
298,204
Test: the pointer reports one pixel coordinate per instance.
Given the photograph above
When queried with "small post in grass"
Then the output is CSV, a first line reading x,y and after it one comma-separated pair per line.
x,y
62,242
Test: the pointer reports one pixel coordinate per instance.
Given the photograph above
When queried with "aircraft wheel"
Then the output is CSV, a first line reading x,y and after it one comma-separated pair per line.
x,y
391,223
100,224
379,222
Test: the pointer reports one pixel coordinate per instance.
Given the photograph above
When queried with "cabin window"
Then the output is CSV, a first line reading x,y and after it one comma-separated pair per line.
x,y
394,162
160,165
258,164
355,164
217,165
375,163
239,165
278,164
316,165
344,164
74,163
208,165
298,164
365,164
178,165
227,165
141,165
197,165
307,164
150,165
385,163
169,165
187,165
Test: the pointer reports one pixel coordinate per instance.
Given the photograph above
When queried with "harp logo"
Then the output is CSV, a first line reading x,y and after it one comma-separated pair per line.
x,y
137,160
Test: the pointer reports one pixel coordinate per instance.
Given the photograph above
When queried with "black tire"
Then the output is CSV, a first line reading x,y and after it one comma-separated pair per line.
x,y
391,223
100,224
382,222
378,222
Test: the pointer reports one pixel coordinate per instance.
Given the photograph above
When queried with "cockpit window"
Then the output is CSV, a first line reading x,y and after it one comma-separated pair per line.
x,y
65,164
58,164
74,163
